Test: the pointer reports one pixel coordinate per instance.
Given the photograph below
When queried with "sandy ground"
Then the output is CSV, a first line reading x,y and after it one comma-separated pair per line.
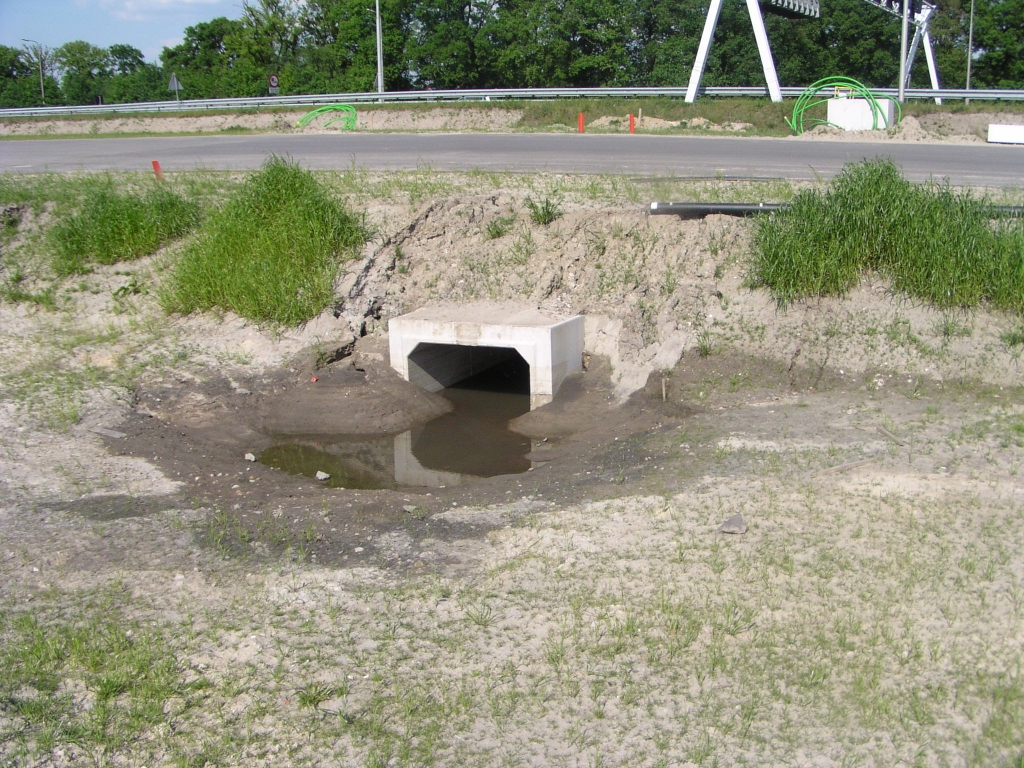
x,y
587,612
937,127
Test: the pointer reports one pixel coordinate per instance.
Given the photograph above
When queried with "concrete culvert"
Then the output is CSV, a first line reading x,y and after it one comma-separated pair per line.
x,y
438,347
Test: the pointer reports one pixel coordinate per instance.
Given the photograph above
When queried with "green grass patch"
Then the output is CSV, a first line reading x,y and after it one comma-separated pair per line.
x,y
271,253
79,685
111,227
933,242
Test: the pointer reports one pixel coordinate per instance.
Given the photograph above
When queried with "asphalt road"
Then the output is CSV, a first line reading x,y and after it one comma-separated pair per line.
x,y
971,164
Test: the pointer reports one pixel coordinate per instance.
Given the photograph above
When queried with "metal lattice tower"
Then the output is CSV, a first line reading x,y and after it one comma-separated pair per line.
x,y
921,18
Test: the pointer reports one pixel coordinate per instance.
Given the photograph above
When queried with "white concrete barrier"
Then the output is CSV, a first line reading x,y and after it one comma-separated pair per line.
x,y
552,346
857,114
1006,134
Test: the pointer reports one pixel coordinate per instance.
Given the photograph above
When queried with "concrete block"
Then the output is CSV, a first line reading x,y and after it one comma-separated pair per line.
x,y
1006,134
857,114
425,344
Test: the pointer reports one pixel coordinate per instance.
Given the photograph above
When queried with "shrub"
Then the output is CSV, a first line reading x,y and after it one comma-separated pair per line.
x,y
932,242
271,253
110,227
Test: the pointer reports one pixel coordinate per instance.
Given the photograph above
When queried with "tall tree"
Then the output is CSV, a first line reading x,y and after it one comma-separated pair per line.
x,y
338,47
85,69
125,59
999,36
204,59
447,47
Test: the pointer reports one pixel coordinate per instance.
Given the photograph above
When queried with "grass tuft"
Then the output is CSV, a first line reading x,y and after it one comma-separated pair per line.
x,y
932,242
271,253
1013,337
110,227
546,211
90,685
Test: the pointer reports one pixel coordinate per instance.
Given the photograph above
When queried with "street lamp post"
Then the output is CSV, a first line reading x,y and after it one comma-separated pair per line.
x,y
970,50
902,93
380,53
39,55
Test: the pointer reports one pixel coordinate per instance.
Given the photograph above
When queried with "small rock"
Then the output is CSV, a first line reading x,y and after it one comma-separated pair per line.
x,y
250,457
322,475
358,549
734,524
111,433
242,391
409,508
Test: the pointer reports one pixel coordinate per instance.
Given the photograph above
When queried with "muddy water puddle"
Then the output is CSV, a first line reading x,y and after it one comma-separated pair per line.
x,y
470,442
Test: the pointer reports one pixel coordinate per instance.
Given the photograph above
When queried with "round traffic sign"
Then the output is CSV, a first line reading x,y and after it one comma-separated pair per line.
x,y
273,81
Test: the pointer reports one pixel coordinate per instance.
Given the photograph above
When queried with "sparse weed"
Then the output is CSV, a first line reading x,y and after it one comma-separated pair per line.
x,y
499,226
546,211
705,343
1013,337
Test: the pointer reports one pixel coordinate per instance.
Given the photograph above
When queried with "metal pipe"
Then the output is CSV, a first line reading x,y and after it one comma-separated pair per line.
x,y
700,210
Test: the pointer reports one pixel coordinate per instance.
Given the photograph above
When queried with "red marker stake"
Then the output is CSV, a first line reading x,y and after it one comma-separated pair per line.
x,y
157,171
581,123
632,123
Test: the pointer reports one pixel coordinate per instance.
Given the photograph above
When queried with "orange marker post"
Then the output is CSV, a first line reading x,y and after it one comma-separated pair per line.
x,y
581,123
157,171
632,123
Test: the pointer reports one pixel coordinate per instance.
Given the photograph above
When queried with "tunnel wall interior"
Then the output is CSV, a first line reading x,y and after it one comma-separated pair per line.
x,y
436,366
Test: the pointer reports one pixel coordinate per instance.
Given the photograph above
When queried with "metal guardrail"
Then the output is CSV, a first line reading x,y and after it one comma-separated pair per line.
x,y
514,94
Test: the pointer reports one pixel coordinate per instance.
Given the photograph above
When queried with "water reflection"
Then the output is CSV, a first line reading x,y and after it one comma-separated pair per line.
x,y
470,442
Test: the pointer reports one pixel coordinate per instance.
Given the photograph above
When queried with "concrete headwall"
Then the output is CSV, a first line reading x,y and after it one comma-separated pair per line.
x,y
551,346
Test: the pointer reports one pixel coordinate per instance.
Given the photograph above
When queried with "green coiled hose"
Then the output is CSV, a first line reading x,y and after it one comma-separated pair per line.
x,y
806,100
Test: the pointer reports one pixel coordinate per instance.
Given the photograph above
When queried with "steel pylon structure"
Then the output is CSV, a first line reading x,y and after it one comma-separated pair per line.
x,y
920,17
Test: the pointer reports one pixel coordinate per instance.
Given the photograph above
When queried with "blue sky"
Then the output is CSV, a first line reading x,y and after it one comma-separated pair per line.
x,y
149,25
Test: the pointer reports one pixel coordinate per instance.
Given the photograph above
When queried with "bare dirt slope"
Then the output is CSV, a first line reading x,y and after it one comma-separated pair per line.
x,y
943,127
585,612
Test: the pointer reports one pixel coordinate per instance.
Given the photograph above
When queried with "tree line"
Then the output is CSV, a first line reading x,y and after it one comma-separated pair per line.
x,y
329,46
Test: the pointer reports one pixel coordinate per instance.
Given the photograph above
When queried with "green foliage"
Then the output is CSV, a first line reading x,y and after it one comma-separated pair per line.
x,y
499,226
546,211
85,67
271,254
94,683
1013,337
329,46
932,242
111,227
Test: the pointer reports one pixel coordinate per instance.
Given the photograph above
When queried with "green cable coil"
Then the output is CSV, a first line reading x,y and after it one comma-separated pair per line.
x,y
347,116
806,100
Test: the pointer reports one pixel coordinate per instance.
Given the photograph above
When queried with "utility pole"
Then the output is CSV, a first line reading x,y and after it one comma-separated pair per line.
x,y
903,52
970,50
39,56
380,54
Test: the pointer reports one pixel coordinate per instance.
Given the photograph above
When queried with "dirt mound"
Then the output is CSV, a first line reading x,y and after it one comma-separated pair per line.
x,y
934,127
